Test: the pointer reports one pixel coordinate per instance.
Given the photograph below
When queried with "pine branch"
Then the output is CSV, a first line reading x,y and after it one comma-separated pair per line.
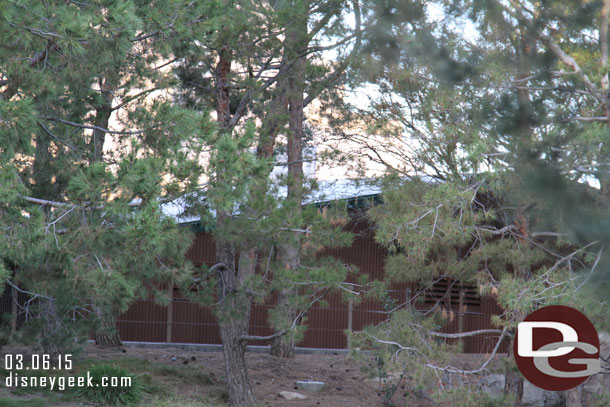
x,y
585,119
502,231
57,204
48,131
335,75
571,62
554,47
30,293
45,202
86,126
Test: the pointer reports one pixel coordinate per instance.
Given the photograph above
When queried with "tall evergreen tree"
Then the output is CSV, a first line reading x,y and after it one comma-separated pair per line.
x,y
239,70
497,156
85,167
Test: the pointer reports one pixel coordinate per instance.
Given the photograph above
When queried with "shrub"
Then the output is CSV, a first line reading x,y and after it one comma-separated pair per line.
x,y
111,395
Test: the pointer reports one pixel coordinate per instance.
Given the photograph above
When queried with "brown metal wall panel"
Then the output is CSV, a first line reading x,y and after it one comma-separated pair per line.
x,y
144,319
192,323
203,249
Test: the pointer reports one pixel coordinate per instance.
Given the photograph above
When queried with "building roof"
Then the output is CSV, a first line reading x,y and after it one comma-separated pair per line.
x,y
327,191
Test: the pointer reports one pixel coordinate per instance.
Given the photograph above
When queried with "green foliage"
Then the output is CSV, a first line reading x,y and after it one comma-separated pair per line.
x,y
70,71
23,403
109,395
465,397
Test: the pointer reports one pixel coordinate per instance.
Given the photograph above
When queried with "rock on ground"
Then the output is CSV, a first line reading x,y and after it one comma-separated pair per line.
x,y
291,395
533,396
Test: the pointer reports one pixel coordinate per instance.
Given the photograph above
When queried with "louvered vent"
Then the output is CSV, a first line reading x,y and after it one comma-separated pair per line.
x,y
447,291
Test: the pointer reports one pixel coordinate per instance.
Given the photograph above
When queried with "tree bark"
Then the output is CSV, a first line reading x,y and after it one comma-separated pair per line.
x,y
14,307
275,119
240,389
283,346
223,107
51,327
233,311
105,332
233,316
513,386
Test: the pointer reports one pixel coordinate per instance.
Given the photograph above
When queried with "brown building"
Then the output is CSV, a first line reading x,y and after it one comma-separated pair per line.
x,y
185,322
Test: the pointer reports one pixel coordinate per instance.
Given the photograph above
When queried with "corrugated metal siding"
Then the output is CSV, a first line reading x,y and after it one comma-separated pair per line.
x,y
203,249
144,319
192,323
326,326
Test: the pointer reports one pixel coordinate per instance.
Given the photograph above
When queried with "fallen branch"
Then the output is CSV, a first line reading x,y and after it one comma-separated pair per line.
x,y
467,334
262,338
453,369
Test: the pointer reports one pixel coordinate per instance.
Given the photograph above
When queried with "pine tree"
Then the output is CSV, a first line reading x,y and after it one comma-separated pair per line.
x,y
489,158
239,69
85,168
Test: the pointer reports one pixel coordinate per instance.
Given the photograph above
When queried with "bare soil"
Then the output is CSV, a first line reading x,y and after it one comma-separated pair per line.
x,y
346,384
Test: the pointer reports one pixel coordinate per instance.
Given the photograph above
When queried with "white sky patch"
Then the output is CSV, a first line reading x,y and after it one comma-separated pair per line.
x,y
436,14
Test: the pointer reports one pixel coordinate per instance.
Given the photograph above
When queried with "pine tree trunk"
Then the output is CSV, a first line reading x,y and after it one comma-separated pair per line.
x,y
108,339
107,335
283,346
51,327
240,389
234,320
513,386
105,332
233,316
14,308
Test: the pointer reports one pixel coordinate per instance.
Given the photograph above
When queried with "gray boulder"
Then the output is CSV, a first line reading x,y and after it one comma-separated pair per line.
x,y
493,384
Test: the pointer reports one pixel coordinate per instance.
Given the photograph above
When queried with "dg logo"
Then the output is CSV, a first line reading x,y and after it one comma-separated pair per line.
x,y
556,348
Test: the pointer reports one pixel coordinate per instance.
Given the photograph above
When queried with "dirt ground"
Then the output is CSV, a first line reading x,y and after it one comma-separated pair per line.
x,y
346,384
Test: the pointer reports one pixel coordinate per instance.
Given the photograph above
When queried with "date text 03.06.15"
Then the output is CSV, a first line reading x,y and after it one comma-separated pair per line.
x,y
37,362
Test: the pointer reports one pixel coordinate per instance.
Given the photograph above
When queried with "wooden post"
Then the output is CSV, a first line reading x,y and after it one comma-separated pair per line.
x,y
461,312
408,298
170,314
350,322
